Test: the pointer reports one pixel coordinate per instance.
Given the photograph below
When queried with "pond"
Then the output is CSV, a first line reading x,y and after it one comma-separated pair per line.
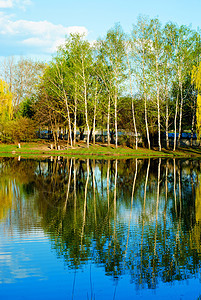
x,y
100,229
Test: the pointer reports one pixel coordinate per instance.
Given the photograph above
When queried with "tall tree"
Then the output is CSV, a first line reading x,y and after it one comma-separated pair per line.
x,y
6,107
23,77
156,55
113,54
141,46
168,76
128,50
196,79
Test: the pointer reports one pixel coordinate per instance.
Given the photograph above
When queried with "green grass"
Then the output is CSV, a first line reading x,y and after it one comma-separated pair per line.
x,y
98,151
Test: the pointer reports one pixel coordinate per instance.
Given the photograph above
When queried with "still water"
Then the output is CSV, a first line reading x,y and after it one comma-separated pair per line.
x,y
100,229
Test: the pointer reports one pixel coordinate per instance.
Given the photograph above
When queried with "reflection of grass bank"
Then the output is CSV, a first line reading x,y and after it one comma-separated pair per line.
x,y
100,150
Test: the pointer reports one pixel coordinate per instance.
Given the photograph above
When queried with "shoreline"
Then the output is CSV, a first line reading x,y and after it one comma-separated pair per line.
x,y
30,149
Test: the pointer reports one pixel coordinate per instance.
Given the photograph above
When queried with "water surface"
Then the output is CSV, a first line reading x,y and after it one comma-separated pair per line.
x,y
100,229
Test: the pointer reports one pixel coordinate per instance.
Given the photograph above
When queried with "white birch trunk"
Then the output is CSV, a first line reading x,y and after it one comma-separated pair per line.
x,y
75,119
115,114
158,106
85,103
167,120
145,105
69,121
108,123
181,106
132,103
66,102
175,126
94,121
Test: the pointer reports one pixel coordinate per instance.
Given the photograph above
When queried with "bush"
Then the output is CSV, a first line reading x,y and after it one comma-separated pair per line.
x,y
19,130
125,140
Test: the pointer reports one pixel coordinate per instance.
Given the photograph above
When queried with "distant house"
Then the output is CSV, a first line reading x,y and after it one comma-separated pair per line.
x,y
185,139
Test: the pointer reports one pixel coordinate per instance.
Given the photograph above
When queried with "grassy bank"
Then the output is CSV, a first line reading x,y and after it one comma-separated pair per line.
x,y
42,148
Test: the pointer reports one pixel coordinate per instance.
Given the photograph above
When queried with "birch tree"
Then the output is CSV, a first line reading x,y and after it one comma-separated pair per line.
x,y
168,76
141,46
106,77
70,53
55,82
128,51
113,53
81,68
156,52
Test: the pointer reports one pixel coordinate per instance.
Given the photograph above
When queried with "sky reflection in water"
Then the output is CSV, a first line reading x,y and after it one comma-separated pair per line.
x,y
93,229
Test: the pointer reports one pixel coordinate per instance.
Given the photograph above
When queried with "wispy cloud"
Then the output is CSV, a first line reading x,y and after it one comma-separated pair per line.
x,y
12,3
6,3
42,36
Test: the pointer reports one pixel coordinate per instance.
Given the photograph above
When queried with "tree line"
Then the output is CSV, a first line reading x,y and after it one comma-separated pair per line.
x,y
145,83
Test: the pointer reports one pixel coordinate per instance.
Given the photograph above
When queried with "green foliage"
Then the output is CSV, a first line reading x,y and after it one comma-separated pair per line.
x,y
22,129
26,109
6,108
196,79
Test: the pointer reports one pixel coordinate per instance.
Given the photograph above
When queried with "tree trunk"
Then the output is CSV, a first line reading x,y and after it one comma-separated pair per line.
x,y
167,121
81,134
85,105
145,105
90,135
54,133
158,106
55,139
75,121
108,123
146,122
61,79
132,103
115,114
102,137
69,121
193,123
94,121
175,125
181,107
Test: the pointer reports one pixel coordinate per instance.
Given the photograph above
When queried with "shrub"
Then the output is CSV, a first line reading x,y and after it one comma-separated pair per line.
x,y
19,130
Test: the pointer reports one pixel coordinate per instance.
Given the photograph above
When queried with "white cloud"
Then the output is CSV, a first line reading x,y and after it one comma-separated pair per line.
x,y
77,29
12,3
41,28
35,42
59,42
6,3
41,36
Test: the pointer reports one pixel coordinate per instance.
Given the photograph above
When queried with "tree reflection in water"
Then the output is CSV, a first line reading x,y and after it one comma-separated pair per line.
x,y
137,217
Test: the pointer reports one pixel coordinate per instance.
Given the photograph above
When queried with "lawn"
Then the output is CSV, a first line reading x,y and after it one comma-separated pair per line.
x,y
100,150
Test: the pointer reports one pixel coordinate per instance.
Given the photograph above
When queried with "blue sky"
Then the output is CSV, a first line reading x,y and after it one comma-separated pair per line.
x,y
34,28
